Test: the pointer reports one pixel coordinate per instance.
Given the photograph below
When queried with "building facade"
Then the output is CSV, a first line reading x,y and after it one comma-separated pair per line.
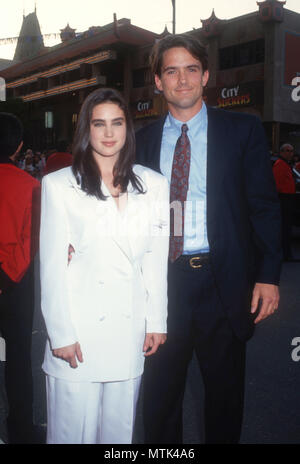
x,y
254,64
54,82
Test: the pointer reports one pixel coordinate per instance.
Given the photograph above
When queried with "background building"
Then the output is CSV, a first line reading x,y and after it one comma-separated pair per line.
x,y
53,82
253,61
5,63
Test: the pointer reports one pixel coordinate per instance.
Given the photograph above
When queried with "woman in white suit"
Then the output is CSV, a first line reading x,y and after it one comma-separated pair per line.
x,y
106,308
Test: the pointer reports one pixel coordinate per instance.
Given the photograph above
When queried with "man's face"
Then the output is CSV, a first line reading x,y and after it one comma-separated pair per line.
x,y
287,152
182,80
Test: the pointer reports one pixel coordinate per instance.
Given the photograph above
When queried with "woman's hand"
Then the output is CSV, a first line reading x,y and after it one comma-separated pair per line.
x,y
152,342
70,252
69,353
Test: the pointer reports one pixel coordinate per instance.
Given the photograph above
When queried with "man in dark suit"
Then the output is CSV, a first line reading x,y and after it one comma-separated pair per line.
x,y
225,279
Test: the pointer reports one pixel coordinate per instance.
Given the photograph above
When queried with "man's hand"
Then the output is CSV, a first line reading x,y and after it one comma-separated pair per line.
x,y
269,296
152,341
69,353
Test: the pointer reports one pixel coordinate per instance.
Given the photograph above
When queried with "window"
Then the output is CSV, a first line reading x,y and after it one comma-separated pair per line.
x,y
74,119
141,77
73,75
49,119
242,54
2,89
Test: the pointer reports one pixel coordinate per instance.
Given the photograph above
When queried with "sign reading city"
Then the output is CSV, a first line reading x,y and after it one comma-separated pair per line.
x,y
236,95
144,109
233,97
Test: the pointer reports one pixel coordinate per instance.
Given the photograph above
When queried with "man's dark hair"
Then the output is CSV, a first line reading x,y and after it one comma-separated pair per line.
x,y
11,135
189,42
84,165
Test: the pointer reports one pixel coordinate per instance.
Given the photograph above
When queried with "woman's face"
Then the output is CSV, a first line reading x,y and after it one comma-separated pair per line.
x,y
107,131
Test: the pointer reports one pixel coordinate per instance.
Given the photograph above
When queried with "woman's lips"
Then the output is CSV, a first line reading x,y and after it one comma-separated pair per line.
x,y
109,144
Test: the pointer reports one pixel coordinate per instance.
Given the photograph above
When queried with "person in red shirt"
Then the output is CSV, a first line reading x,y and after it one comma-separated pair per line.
x,y
286,187
58,160
19,232
282,170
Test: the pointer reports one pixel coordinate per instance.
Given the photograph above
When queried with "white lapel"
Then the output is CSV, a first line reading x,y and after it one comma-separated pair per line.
x,y
119,234
107,214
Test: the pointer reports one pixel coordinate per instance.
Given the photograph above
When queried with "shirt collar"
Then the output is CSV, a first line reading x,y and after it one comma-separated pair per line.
x,y
195,123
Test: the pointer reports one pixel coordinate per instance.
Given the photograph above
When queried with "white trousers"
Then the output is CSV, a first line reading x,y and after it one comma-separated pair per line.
x,y
91,412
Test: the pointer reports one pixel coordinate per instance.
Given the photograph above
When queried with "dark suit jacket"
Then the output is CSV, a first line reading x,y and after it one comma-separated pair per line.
x,y
243,213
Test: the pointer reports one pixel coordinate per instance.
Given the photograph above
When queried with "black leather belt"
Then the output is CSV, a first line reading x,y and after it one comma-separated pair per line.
x,y
193,261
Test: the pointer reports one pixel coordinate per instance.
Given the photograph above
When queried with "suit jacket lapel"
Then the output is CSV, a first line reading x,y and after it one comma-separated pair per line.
x,y
100,210
118,236
154,145
157,144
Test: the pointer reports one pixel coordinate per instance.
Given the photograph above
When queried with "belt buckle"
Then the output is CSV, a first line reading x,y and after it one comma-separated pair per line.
x,y
193,264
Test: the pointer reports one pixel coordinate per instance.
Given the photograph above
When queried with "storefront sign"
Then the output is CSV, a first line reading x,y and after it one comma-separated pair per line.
x,y
231,97
235,96
144,109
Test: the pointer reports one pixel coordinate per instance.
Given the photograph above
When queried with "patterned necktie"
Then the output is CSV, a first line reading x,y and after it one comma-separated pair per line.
x,y
178,192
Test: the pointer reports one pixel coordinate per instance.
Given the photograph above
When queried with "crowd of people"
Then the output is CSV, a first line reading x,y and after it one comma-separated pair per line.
x,y
285,170
40,163
128,289
294,158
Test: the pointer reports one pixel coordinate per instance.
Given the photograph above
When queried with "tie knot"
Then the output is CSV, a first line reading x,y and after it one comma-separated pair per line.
x,y
184,129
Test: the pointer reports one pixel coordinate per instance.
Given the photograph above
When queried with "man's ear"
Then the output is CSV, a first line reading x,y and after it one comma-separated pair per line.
x,y
205,78
158,82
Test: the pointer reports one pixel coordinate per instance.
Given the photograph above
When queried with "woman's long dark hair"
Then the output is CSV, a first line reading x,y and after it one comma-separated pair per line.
x,y
84,167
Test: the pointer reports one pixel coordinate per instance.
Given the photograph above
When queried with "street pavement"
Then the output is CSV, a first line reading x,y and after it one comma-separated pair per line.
x,y
272,400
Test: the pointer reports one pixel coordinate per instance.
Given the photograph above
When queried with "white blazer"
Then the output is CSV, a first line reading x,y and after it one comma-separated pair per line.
x,y
115,287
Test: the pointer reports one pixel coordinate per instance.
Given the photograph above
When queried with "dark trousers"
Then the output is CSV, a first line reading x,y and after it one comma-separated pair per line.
x,y
195,322
16,316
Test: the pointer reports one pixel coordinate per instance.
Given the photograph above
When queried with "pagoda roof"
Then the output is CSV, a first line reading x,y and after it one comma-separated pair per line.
x,y
30,41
